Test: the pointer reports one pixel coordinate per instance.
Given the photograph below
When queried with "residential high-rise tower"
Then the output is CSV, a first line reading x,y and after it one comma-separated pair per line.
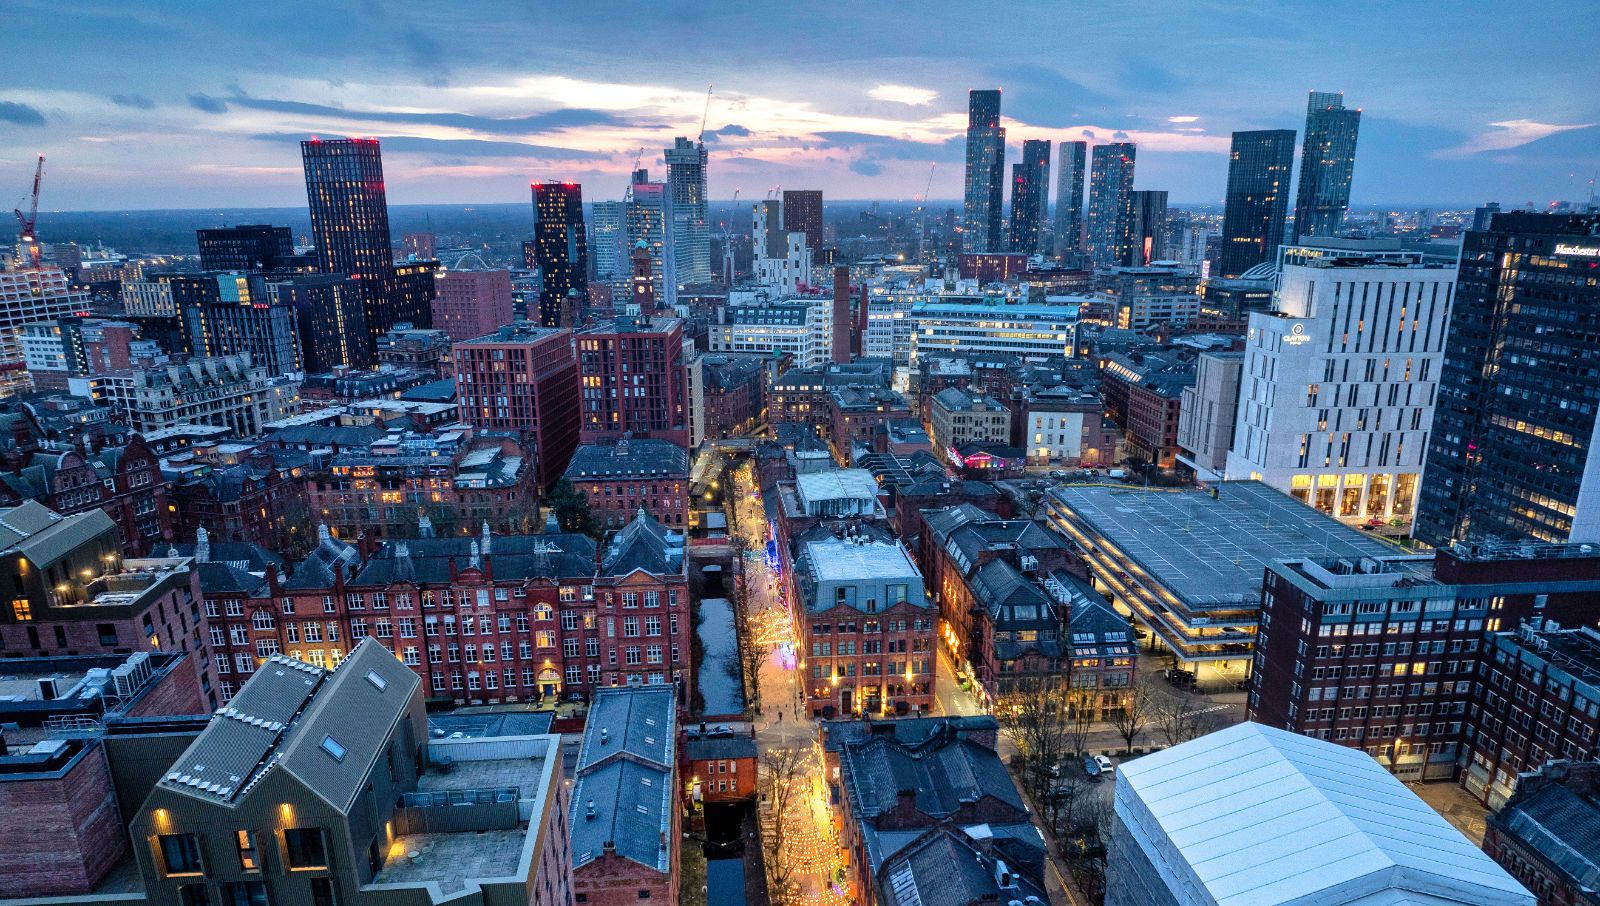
x,y
1072,159
350,224
1257,203
1327,160
1030,196
691,230
986,174
560,247
802,213
1110,194
1147,233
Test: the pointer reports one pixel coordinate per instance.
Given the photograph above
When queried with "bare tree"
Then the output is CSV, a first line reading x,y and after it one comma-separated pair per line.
x,y
1033,715
1138,708
1182,716
1092,831
782,787
752,650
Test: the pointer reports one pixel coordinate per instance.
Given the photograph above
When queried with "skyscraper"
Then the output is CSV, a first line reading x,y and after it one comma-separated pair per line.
x,y
252,248
802,213
350,223
1326,163
691,230
650,221
1147,227
608,238
1510,454
1073,157
560,247
1030,196
1110,194
1257,200
986,174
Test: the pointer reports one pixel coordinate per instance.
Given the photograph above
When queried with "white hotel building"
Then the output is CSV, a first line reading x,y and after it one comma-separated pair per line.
x,y
1337,392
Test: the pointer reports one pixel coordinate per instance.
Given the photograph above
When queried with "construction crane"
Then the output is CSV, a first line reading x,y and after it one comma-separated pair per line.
x,y
703,116
627,194
727,244
922,244
28,234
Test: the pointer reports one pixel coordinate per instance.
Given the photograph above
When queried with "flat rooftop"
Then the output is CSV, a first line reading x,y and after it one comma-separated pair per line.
x,y
846,560
450,860
1207,550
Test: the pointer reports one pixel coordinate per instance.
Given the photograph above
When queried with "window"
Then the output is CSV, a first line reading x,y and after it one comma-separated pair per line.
x,y
244,893
108,634
304,845
248,859
322,892
377,681
180,853
332,746
193,895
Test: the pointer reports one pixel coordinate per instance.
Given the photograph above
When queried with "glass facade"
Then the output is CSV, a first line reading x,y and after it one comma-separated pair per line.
x,y
560,248
1110,195
1327,160
350,224
986,174
1258,199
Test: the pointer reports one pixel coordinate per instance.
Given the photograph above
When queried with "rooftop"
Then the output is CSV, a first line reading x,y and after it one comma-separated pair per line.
x,y
855,560
519,332
836,484
1257,816
1205,549
632,458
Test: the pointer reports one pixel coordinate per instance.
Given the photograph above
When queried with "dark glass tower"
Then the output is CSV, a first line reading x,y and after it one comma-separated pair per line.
x,y
559,247
1257,200
251,248
1327,161
1110,194
1513,441
1073,161
350,222
1030,196
1147,227
986,174
802,213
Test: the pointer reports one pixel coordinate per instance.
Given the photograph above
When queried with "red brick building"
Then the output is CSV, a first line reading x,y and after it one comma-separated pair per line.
x,y
720,768
124,481
1544,836
472,303
633,380
623,477
523,378
1145,399
991,267
250,501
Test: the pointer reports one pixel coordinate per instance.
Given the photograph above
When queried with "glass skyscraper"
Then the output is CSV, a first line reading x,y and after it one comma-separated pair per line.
x,y
1257,200
1513,451
1030,196
1147,227
1073,159
1110,195
691,230
1327,161
982,229
350,224
560,247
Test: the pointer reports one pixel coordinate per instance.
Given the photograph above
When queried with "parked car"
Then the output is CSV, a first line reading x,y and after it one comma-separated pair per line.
x,y
1106,767
1183,679
1097,766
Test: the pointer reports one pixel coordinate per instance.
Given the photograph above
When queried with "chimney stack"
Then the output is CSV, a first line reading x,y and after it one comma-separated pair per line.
x,y
841,315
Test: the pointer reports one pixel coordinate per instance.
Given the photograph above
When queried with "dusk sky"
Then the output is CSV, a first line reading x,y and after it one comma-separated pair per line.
x,y
152,104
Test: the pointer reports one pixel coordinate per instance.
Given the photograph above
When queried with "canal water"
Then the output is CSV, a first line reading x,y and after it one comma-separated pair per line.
x,y
726,826
719,679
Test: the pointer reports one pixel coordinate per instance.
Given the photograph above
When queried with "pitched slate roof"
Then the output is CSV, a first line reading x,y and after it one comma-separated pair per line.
x,y
636,458
1559,825
943,771
552,556
625,775
44,536
945,866
331,557
644,543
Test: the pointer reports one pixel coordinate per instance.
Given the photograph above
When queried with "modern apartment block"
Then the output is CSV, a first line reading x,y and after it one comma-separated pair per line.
x,y
1327,162
523,378
982,225
472,303
1110,197
1206,414
1257,202
27,296
1336,399
1072,161
633,380
560,248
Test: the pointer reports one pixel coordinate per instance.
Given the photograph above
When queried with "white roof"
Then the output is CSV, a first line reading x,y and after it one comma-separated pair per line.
x,y
1256,815
845,560
837,484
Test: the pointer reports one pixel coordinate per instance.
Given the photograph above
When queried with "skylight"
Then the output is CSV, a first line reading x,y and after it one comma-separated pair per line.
x,y
332,747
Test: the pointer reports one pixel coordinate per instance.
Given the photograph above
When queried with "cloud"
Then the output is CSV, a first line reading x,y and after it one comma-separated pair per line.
x,y
552,120
903,94
427,56
866,167
136,101
733,129
459,147
1150,78
889,147
1508,134
208,104
1183,119
19,114
1044,96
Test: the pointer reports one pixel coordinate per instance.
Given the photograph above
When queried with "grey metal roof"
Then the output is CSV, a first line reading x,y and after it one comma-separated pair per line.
x,y
44,536
635,458
636,722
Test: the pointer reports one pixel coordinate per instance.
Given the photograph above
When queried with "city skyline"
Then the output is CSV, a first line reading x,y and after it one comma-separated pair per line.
x,y
467,114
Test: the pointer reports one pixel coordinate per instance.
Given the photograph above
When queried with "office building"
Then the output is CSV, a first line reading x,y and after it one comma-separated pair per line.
x,y
1030,197
1514,422
1144,396
330,318
560,248
608,239
1206,414
250,248
523,378
324,786
957,417
28,296
802,213
1110,201
1338,390
727,395
1193,826
632,375
951,324
1481,216
625,810
1147,228
982,227
1257,202
627,477
801,328
1327,161
226,391
691,224
1545,835
350,225
231,314
1147,296
649,220
1201,598
1072,161
472,303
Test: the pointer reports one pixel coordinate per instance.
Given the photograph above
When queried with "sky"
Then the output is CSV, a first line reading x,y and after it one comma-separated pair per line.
x,y
155,104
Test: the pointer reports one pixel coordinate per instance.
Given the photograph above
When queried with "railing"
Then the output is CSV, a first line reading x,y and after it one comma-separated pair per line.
x,y
439,798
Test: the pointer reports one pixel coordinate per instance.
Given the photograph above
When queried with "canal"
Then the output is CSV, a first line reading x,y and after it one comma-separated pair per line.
x,y
721,686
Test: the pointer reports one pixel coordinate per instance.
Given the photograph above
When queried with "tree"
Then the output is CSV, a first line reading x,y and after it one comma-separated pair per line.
x,y
1033,715
782,788
572,510
752,649
1138,707
1182,716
